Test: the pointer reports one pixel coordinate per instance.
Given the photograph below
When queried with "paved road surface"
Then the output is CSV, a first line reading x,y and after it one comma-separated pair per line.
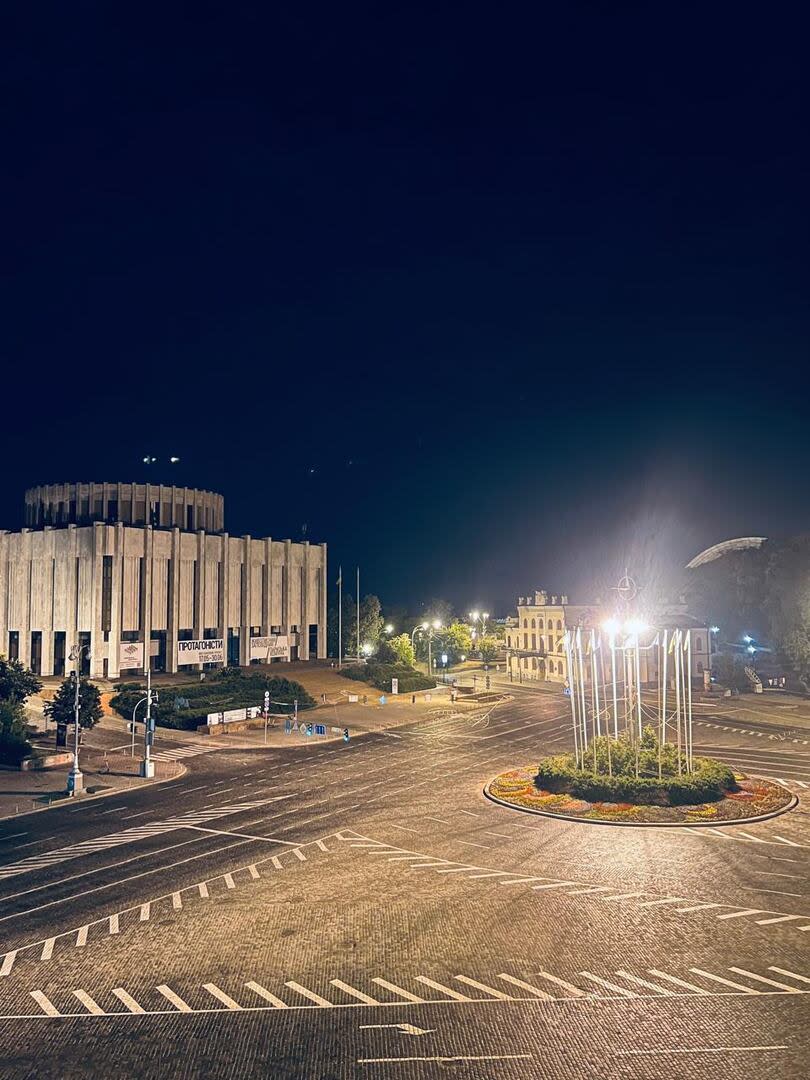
x,y
362,910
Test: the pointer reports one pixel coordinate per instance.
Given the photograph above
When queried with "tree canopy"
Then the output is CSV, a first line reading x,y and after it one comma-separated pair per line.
x,y
61,709
17,683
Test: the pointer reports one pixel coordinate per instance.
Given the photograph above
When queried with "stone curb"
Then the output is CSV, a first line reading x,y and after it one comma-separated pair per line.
x,y
66,801
642,824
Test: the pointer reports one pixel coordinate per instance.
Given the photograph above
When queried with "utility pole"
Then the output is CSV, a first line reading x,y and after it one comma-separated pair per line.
x,y
75,778
358,612
147,765
340,617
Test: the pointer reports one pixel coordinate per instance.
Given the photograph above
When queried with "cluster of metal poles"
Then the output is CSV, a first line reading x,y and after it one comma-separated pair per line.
x,y
619,685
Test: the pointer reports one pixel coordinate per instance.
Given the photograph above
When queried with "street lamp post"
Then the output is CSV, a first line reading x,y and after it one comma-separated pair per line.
x,y
428,630
147,765
75,778
137,706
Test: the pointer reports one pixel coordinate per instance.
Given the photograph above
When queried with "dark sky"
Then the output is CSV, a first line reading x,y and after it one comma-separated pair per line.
x,y
488,298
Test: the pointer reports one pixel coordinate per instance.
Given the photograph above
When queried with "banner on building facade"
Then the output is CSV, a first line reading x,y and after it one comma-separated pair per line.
x,y
130,655
274,647
208,651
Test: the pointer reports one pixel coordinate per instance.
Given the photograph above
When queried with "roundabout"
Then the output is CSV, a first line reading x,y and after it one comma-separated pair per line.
x,y
748,799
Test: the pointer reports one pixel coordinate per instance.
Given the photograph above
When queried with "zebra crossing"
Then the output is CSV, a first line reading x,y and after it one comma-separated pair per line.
x,y
750,731
187,750
127,836
643,898
538,987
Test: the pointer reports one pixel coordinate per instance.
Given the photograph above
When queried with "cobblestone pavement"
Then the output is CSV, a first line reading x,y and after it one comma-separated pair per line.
x,y
362,910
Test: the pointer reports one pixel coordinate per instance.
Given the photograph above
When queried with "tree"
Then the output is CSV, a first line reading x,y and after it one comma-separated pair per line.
x,y
371,622
439,610
729,671
61,709
14,744
402,650
488,647
17,683
456,641
788,602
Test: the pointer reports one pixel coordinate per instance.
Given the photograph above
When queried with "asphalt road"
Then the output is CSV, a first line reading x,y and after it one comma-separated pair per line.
x,y
354,910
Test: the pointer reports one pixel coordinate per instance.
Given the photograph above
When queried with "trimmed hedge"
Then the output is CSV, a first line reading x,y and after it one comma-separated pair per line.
x,y
709,781
380,675
216,694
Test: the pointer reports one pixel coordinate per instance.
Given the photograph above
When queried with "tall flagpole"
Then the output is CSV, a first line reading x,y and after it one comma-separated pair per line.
x,y
340,616
358,612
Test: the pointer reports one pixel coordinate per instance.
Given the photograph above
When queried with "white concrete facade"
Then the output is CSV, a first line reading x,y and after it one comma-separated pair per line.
x,y
108,585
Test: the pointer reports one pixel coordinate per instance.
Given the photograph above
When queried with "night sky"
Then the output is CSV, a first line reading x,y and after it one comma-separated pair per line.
x,y
488,298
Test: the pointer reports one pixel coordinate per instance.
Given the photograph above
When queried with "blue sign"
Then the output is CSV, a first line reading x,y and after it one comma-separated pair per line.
x,y
309,729
287,726
567,691
320,729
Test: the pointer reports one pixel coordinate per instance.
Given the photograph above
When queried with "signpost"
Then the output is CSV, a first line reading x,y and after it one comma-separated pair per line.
x,y
394,686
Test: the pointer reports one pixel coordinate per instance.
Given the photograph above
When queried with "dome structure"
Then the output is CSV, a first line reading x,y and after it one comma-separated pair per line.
x,y
716,551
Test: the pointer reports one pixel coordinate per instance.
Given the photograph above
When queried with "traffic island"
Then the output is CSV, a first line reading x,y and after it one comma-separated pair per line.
x,y
556,788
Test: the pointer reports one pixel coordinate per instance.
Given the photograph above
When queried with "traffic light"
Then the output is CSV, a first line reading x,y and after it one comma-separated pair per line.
x,y
345,734
487,682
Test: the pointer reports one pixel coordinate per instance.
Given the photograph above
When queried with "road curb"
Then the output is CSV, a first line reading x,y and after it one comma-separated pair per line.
x,y
794,802
91,798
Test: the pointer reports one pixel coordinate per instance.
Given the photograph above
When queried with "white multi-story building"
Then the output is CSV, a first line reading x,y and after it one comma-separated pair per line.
x,y
145,574
535,646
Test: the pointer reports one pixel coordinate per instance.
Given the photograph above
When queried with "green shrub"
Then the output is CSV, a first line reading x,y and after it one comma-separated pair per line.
x,y
227,691
708,782
380,675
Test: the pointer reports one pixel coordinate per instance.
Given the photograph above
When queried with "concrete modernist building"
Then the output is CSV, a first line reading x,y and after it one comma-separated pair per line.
x,y
535,647
145,573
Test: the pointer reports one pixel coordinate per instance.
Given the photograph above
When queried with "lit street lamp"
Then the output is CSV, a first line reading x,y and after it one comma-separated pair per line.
x,y
428,631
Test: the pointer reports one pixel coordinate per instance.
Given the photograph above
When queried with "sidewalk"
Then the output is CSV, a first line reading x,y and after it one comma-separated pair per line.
x,y
21,792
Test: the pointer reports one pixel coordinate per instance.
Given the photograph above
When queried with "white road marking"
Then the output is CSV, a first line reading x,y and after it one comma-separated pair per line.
x,y
700,1050
8,962
44,1003
620,990
725,982
790,974
127,999
92,1007
220,995
768,982
173,998
498,994
460,1057
405,994
310,994
533,990
353,992
573,990
454,994
257,988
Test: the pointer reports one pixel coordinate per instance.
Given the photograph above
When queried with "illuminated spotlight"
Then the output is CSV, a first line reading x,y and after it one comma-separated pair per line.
x,y
747,639
149,460
425,626
751,649
389,629
714,629
174,460
474,615
437,624
635,626
611,626
367,649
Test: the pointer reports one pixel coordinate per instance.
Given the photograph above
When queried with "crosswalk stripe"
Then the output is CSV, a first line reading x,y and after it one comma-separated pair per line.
x,y
587,892
45,1003
790,974
499,994
81,937
696,907
666,899
203,889
620,990
8,962
784,840
519,881
89,1004
725,982
573,990
257,988
454,994
347,989
229,882
254,873
552,885
533,990
623,896
299,854
173,998
778,919
127,999
643,982
749,836
177,901
310,994
768,982
114,928
220,995
405,994
145,911
47,948
678,982
276,861
739,914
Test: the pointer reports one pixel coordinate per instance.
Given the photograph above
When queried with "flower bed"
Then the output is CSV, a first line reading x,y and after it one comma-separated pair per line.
x,y
753,798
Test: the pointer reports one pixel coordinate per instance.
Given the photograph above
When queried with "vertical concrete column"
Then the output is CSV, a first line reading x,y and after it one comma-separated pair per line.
x,y
245,604
72,620
199,592
303,636
133,495
322,601
98,647
224,594
174,603
267,579
47,623
146,596
286,603
4,592
114,646
24,579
